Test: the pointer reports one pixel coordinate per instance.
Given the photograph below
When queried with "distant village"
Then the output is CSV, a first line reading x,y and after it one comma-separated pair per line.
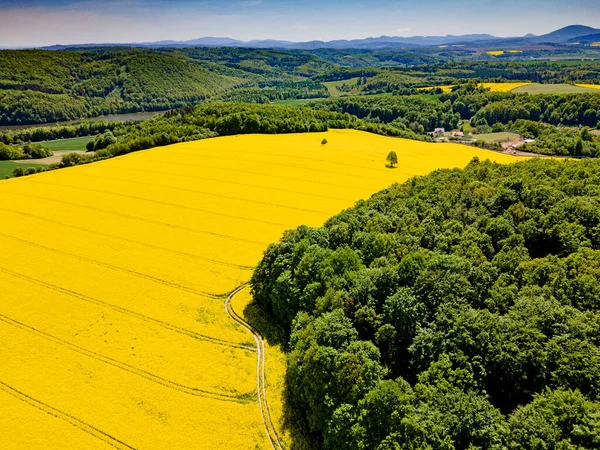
x,y
509,144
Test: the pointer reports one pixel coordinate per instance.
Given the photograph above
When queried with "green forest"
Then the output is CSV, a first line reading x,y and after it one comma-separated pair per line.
x,y
41,86
38,86
455,311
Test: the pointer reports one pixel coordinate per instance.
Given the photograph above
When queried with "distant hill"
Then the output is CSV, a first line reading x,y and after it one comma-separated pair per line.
x,y
368,43
393,41
562,36
565,35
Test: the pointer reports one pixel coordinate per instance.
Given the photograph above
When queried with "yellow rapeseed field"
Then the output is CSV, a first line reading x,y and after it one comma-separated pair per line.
x,y
589,86
503,87
113,279
446,89
495,87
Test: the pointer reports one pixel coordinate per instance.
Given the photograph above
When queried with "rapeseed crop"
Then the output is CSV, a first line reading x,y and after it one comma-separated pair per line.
x,y
445,89
589,86
113,279
503,87
494,87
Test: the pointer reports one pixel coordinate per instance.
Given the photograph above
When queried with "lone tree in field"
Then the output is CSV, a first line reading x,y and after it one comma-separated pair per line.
x,y
392,158
324,142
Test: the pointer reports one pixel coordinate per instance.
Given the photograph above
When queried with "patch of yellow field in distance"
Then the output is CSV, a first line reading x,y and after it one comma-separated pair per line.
x,y
495,52
446,89
114,275
515,51
589,86
503,87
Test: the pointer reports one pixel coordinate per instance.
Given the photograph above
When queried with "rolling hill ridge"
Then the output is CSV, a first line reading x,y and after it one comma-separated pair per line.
x,y
561,36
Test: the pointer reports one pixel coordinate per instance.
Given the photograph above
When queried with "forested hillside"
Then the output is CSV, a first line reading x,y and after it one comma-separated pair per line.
x,y
48,86
459,310
43,86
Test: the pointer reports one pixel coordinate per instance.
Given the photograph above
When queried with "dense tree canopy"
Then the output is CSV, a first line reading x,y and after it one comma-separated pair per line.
x,y
28,151
43,86
419,115
571,109
459,310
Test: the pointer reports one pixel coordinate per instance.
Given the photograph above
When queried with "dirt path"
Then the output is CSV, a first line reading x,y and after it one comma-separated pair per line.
x,y
260,371
513,142
511,147
521,153
56,158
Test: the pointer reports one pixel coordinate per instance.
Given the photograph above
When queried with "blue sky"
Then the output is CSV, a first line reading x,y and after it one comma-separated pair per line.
x,y
45,22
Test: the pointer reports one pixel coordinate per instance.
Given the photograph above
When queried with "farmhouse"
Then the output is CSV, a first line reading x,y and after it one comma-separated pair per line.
x,y
456,133
439,131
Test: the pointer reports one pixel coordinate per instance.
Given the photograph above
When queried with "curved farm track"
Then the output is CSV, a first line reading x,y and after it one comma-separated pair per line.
x,y
260,371
83,426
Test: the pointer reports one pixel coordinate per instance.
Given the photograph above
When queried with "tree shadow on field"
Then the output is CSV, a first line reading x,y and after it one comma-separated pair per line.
x,y
275,336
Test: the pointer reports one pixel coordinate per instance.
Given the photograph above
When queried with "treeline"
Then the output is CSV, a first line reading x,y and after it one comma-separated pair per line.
x,y
413,113
369,59
51,133
535,71
553,140
268,63
459,310
571,109
346,73
27,151
397,79
269,91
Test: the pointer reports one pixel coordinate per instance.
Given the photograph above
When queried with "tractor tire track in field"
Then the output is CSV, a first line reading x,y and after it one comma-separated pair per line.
x,y
175,205
127,312
124,239
83,426
115,268
235,183
304,158
136,218
241,161
242,171
124,366
260,371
